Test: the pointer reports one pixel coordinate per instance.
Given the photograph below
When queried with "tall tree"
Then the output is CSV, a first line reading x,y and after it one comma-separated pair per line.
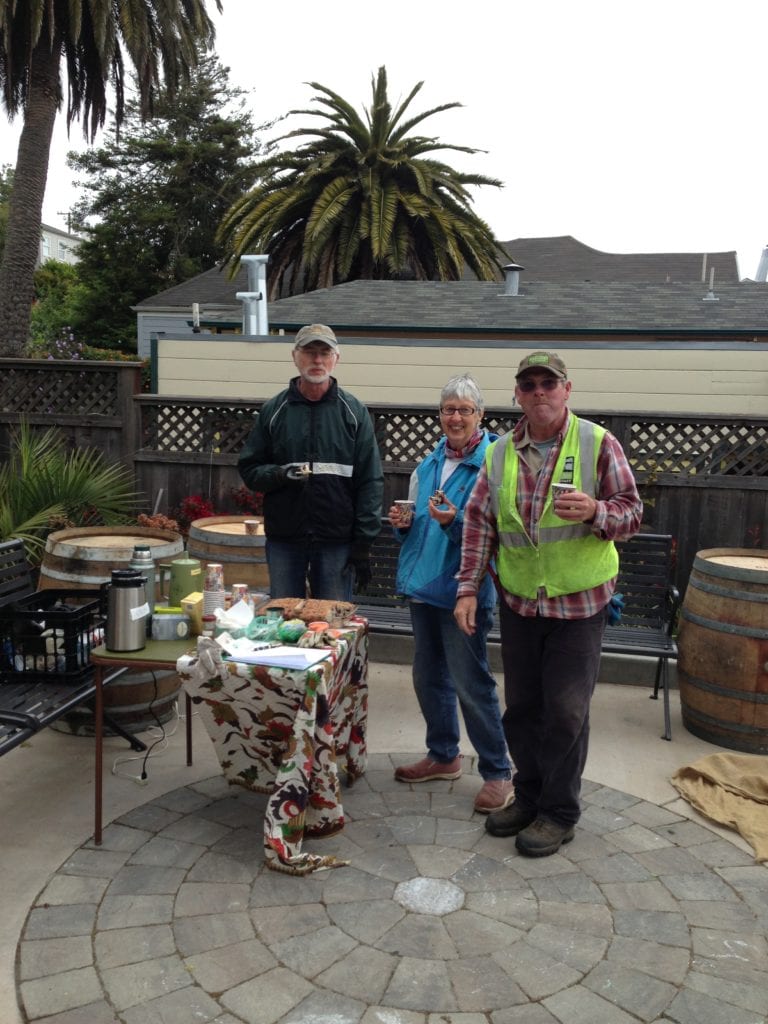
x,y
95,39
152,230
6,184
362,200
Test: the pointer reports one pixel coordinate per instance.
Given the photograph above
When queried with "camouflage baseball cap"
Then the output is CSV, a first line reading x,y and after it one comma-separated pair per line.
x,y
317,332
548,361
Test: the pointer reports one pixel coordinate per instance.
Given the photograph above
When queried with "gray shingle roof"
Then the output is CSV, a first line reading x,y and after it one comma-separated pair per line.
x,y
212,287
563,258
565,287
466,306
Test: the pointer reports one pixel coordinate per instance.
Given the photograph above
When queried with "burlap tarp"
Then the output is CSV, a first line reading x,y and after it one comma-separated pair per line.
x,y
731,789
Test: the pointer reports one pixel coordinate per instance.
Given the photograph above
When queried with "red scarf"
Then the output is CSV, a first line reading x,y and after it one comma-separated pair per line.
x,y
462,453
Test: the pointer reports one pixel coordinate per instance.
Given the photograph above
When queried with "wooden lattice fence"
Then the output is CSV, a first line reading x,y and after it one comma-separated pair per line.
x,y
703,479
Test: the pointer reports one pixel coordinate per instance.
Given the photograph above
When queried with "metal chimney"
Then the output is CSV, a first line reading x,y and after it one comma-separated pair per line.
x,y
254,301
512,278
762,267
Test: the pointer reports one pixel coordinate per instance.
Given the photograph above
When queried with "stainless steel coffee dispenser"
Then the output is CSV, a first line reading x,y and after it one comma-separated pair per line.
x,y
127,611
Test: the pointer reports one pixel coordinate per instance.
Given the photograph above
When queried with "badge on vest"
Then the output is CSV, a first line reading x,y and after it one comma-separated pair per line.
x,y
566,476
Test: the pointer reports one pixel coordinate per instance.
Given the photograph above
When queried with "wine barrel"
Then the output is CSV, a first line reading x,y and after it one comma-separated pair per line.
x,y
723,649
135,701
84,557
243,555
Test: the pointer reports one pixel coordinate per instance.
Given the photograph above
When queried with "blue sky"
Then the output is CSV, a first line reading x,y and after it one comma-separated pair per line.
x,y
633,127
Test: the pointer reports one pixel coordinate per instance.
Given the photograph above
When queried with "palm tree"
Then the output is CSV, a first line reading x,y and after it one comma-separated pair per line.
x,y
45,484
362,200
95,38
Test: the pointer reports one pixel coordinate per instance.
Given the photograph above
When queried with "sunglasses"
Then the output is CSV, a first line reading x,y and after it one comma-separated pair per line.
x,y
547,384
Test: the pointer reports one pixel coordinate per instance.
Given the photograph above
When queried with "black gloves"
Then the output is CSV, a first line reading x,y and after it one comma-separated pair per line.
x,y
360,563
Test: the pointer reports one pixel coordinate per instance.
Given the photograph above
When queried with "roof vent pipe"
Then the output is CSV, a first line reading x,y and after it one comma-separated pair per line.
x,y
710,296
512,278
762,267
255,320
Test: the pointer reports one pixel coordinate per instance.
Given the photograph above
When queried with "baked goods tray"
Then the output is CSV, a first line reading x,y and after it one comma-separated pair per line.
x,y
335,613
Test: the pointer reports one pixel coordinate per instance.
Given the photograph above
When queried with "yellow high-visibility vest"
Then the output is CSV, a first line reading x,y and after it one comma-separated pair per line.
x,y
568,557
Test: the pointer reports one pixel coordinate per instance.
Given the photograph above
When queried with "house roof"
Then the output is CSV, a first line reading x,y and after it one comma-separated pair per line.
x,y
212,288
563,258
565,286
468,307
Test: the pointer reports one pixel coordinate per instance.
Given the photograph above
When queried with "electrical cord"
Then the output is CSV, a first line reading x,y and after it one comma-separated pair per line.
x,y
154,749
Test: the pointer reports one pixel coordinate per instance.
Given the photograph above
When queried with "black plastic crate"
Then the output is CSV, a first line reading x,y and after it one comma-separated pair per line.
x,y
48,636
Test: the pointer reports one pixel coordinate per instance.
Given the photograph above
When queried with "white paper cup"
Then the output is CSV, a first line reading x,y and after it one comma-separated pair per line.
x,y
406,511
251,527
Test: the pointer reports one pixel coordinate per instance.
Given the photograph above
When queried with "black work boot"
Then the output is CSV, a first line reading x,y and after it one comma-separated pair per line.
x,y
542,838
510,820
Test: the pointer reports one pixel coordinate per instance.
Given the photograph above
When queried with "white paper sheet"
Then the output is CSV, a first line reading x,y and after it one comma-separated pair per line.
x,y
283,657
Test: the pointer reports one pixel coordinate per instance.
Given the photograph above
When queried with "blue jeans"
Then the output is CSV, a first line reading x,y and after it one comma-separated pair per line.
x,y
449,668
550,671
291,565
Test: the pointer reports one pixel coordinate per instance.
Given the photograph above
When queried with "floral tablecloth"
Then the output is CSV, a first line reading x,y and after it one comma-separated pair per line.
x,y
287,732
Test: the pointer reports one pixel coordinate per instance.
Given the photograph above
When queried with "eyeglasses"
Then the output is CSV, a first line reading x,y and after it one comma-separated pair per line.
x,y
547,384
324,351
465,411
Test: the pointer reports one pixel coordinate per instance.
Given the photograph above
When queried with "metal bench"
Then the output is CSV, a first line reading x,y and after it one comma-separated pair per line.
x,y
28,705
648,618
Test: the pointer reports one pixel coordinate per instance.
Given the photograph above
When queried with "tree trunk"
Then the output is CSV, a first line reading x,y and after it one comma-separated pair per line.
x,y
25,208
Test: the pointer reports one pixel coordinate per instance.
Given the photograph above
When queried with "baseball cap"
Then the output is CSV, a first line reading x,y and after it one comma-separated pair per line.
x,y
549,361
317,332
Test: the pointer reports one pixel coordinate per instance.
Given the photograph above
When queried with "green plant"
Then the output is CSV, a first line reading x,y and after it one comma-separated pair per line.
x,y
45,484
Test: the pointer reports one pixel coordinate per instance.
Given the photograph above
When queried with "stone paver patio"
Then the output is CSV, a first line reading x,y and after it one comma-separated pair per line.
x,y
645,916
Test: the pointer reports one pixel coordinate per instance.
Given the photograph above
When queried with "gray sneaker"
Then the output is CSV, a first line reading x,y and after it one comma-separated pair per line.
x,y
542,838
509,821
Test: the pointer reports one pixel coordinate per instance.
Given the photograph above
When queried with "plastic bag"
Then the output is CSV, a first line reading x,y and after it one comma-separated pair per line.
x,y
615,608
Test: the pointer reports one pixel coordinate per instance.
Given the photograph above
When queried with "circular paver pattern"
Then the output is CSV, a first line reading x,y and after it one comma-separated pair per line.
x,y
645,916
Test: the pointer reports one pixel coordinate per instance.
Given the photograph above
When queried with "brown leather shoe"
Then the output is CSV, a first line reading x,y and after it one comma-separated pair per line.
x,y
495,795
426,769
542,838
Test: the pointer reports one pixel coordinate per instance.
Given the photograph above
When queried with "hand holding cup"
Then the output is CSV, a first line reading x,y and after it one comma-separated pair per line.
x,y
401,514
572,504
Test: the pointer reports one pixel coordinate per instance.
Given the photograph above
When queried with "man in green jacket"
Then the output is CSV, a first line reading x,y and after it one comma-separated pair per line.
x,y
313,456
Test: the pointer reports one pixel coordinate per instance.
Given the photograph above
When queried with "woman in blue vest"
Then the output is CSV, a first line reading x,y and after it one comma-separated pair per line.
x,y
450,669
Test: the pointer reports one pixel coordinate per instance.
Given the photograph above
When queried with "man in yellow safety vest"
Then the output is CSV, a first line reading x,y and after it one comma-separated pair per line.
x,y
550,500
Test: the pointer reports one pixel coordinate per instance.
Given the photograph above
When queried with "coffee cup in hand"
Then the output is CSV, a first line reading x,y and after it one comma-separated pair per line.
x,y
561,491
405,509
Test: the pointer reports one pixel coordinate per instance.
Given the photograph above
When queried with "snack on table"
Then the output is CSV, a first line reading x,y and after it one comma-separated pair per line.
x,y
335,613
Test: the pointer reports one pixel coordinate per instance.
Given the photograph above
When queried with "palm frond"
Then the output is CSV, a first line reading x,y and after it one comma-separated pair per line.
x,y
362,195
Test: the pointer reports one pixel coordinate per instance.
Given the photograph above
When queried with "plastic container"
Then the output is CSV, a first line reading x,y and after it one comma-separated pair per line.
x,y
170,624
48,636
290,631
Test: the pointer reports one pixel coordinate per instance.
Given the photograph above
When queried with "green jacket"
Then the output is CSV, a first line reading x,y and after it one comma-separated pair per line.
x,y
341,500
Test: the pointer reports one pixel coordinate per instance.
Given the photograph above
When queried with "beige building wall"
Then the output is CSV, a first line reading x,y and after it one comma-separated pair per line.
x,y
655,377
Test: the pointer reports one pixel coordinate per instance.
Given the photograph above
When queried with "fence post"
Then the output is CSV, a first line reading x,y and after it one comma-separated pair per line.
x,y
128,385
